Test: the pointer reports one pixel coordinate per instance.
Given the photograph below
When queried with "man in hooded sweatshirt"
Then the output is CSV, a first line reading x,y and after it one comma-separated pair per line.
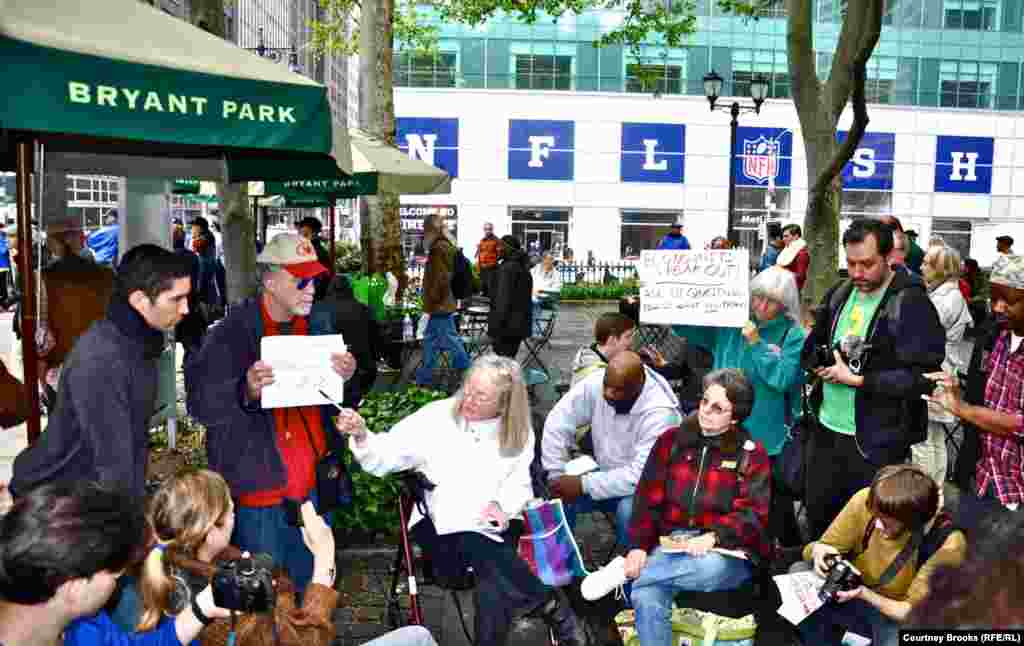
x,y
628,406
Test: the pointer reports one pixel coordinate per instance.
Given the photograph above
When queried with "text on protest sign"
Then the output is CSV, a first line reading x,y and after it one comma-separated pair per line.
x,y
710,287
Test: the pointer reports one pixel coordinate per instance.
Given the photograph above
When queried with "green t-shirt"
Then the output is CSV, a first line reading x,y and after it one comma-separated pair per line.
x,y
838,411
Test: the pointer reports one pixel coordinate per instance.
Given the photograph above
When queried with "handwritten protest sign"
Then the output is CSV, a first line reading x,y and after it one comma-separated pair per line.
x,y
709,287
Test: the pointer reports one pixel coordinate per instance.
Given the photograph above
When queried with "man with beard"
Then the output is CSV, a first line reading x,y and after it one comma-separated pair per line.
x,y
267,456
875,336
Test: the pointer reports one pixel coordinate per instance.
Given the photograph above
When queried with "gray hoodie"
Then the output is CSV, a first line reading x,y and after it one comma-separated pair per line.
x,y
621,442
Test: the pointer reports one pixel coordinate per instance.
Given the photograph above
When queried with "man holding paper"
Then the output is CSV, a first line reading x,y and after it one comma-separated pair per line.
x,y
268,455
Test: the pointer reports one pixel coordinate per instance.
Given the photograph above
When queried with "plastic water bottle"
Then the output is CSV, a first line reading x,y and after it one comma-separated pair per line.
x,y
407,330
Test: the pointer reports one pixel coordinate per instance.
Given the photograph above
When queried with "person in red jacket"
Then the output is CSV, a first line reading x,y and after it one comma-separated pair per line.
x,y
795,256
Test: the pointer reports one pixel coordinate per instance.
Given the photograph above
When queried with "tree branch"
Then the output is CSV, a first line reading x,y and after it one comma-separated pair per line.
x,y
802,72
856,75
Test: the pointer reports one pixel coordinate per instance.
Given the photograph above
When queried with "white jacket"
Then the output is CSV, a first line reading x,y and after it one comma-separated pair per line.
x,y
545,282
621,442
462,459
955,318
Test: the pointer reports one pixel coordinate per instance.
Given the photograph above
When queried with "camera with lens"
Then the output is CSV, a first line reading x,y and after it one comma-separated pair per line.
x,y
842,576
823,357
245,584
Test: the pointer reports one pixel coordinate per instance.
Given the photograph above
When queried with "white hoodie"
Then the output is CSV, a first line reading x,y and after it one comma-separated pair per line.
x,y
621,442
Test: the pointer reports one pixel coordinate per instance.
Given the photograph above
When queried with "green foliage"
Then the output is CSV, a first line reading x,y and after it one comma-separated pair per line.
x,y
348,258
599,292
375,508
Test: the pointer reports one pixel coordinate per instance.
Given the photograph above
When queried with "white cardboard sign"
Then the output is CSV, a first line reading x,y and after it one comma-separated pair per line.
x,y
695,287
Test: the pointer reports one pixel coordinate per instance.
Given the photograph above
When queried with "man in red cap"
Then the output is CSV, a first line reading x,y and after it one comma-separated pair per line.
x,y
267,456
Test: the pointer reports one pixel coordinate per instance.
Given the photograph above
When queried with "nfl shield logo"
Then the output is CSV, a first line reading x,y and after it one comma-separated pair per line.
x,y
761,159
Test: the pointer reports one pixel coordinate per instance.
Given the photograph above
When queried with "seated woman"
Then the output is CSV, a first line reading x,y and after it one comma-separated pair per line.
x,y
193,517
901,507
476,448
706,485
768,351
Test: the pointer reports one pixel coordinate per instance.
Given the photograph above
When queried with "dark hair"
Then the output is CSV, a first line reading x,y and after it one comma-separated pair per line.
x,y
611,324
904,492
201,222
793,229
512,242
309,221
109,218
738,390
774,230
861,228
63,531
151,270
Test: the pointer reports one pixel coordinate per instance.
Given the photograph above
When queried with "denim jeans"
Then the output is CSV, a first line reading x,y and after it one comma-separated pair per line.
x,y
407,636
664,575
621,507
829,623
440,336
266,529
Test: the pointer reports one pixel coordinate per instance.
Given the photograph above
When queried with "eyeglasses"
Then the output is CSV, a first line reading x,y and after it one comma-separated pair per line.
x,y
479,397
303,283
714,409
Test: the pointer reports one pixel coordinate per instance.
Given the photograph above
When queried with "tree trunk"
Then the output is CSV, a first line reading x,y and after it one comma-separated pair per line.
x,y
821,218
382,231
237,225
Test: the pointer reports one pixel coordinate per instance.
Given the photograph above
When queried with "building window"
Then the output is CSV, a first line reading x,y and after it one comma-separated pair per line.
x,y
981,15
859,203
543,66
748,63
427,70
754,205
955,233
659,69
881,76
965,84
90,190
542,229
644,230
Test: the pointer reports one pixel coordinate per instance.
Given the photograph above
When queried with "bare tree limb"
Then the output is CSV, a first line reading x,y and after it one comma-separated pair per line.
x,y
802,72
856,73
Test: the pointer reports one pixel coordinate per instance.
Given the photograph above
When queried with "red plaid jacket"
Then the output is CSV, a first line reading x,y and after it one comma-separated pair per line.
x,y
730,499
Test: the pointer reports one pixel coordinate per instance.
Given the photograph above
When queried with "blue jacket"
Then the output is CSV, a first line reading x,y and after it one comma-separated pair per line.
x,y
103,243
241,441
100,630
5,257
672,242
774,374
771,254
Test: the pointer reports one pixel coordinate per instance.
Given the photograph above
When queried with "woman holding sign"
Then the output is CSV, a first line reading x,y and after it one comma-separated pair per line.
x,y
767,350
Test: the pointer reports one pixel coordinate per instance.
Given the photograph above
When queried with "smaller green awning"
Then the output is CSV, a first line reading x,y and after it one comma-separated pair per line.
x,y
185,187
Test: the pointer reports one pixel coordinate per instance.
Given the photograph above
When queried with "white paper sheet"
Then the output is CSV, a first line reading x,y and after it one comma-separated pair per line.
x,y
799,593
302,368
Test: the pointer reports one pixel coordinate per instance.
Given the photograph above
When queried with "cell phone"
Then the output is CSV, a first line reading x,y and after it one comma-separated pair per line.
x,y
292,512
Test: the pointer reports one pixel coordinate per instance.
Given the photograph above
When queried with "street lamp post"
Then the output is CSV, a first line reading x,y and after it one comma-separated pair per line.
x,y
275,53
758,92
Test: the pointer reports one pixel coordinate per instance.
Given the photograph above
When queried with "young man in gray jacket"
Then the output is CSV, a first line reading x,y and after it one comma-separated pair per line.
x,y
628,406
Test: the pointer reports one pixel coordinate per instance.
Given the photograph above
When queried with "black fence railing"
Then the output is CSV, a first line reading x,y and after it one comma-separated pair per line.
x,y
596,273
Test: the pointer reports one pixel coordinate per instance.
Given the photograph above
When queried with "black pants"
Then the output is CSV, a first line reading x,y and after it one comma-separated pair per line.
x,y
782,524
504,583
836,471
487,275
507,346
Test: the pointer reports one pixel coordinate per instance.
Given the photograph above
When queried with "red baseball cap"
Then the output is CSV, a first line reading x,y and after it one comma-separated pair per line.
x,y
294,253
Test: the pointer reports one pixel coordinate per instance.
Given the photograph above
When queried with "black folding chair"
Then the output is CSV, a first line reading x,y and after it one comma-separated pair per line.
x,y
539,342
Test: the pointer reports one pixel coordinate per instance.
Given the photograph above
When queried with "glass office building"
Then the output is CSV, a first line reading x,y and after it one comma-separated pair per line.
x,y
551,128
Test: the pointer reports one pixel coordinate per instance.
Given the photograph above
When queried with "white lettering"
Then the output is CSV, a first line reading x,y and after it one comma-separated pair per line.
x,y
153,102
246,112
132,96
864,162
540,148
649,163
177,103
78,92
106,95
421,147
199,102
285,114
230,107
267,113
960,165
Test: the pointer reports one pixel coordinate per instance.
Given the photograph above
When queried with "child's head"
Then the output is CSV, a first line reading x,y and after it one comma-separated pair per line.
x,y
192,517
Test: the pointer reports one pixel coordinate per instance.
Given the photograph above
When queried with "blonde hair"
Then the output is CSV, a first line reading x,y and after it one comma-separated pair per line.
x,y
941,264
513,402
184,510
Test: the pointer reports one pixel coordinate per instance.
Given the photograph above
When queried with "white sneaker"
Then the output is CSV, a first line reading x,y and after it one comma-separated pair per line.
x,y
608,578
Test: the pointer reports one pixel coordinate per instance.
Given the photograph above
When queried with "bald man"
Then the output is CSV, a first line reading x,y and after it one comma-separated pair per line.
x,y
628,406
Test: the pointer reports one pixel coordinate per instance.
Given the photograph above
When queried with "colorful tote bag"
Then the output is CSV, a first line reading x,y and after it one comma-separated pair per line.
x,y
548,545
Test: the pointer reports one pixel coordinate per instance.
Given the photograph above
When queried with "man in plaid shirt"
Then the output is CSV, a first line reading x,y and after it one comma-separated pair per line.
x,y
1001,419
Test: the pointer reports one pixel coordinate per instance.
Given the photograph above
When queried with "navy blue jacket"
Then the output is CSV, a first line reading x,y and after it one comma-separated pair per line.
x,y
241,441
906,340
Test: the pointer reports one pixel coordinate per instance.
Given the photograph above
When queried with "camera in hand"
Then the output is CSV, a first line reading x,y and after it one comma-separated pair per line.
x,y
842,576
823,357
245,584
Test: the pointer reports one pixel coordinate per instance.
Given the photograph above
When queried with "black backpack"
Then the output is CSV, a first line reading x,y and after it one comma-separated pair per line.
x,y
462,276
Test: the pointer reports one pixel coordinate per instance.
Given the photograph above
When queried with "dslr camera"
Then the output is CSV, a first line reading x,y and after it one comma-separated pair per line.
x,y
842,576
245,584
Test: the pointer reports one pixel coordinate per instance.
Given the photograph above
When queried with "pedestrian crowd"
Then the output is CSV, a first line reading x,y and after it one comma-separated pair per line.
x,y
858,400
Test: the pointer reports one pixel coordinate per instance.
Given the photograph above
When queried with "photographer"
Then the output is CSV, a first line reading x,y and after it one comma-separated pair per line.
x,y
895,536
193,517
875,336
62,548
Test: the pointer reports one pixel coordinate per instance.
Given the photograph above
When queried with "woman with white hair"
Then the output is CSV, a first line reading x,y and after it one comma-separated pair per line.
x,y
941,269
476,448
767,349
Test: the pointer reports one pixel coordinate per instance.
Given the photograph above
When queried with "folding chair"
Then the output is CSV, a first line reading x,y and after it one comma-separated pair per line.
x,y
536,344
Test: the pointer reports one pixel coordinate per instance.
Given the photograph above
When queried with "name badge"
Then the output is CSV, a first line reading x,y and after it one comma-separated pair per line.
x,y
729,464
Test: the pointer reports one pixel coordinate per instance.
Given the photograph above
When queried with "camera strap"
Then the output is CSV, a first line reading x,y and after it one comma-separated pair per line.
x,y
901,559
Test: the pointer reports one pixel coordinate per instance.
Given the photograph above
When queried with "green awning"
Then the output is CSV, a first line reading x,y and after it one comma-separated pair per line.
x,y
349,187
185,187
120,77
